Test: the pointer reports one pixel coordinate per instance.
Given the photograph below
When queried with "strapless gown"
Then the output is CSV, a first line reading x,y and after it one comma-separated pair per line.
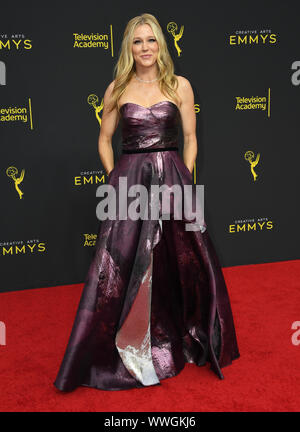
x,y
154,297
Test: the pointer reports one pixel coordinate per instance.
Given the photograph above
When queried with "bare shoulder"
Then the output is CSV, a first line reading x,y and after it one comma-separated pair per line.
x,y
183,83
185,90
108,91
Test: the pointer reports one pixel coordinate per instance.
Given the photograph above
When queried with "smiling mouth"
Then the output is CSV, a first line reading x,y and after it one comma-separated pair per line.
x,y
146,55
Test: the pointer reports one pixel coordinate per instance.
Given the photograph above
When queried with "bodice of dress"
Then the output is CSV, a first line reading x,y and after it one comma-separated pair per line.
x,y
156,126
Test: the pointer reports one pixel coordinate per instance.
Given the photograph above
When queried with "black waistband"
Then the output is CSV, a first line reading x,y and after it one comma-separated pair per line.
x,y
149,150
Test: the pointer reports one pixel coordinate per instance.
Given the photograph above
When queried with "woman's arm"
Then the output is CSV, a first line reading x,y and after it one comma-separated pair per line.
x,y
188,116
109,123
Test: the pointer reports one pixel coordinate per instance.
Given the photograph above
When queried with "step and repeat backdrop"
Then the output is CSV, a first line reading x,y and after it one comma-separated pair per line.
x,y
243,63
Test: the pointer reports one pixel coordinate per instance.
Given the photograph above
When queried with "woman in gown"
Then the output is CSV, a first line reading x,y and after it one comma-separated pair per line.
x,y
154,297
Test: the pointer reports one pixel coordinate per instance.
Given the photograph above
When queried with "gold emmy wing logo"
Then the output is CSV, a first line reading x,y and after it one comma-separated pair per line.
x,y
93,100
249,156
12,173
172,28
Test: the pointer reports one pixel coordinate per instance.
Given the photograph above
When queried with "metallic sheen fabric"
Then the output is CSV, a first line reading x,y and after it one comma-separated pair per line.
x,y
154,297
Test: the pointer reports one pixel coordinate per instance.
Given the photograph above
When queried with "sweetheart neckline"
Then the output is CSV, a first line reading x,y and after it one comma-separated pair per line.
x,y
142,106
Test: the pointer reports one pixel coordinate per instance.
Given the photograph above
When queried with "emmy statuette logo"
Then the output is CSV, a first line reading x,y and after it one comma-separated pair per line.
x,y
249,156
93,100
12,173
172,28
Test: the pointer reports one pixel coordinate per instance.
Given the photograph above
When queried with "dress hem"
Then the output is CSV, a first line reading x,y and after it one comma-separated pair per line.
x,y
152,385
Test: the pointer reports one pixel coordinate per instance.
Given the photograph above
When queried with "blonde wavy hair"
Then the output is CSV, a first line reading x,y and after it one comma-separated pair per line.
x,y
125,67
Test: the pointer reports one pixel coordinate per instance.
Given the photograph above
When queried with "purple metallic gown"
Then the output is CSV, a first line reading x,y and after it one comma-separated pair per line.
x,y
154,297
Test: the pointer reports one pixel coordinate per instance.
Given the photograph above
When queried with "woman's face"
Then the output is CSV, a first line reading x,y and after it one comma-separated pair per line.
x,y
144,46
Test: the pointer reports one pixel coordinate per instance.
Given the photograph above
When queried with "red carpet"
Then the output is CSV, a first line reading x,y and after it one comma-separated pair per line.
x,y
265,301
